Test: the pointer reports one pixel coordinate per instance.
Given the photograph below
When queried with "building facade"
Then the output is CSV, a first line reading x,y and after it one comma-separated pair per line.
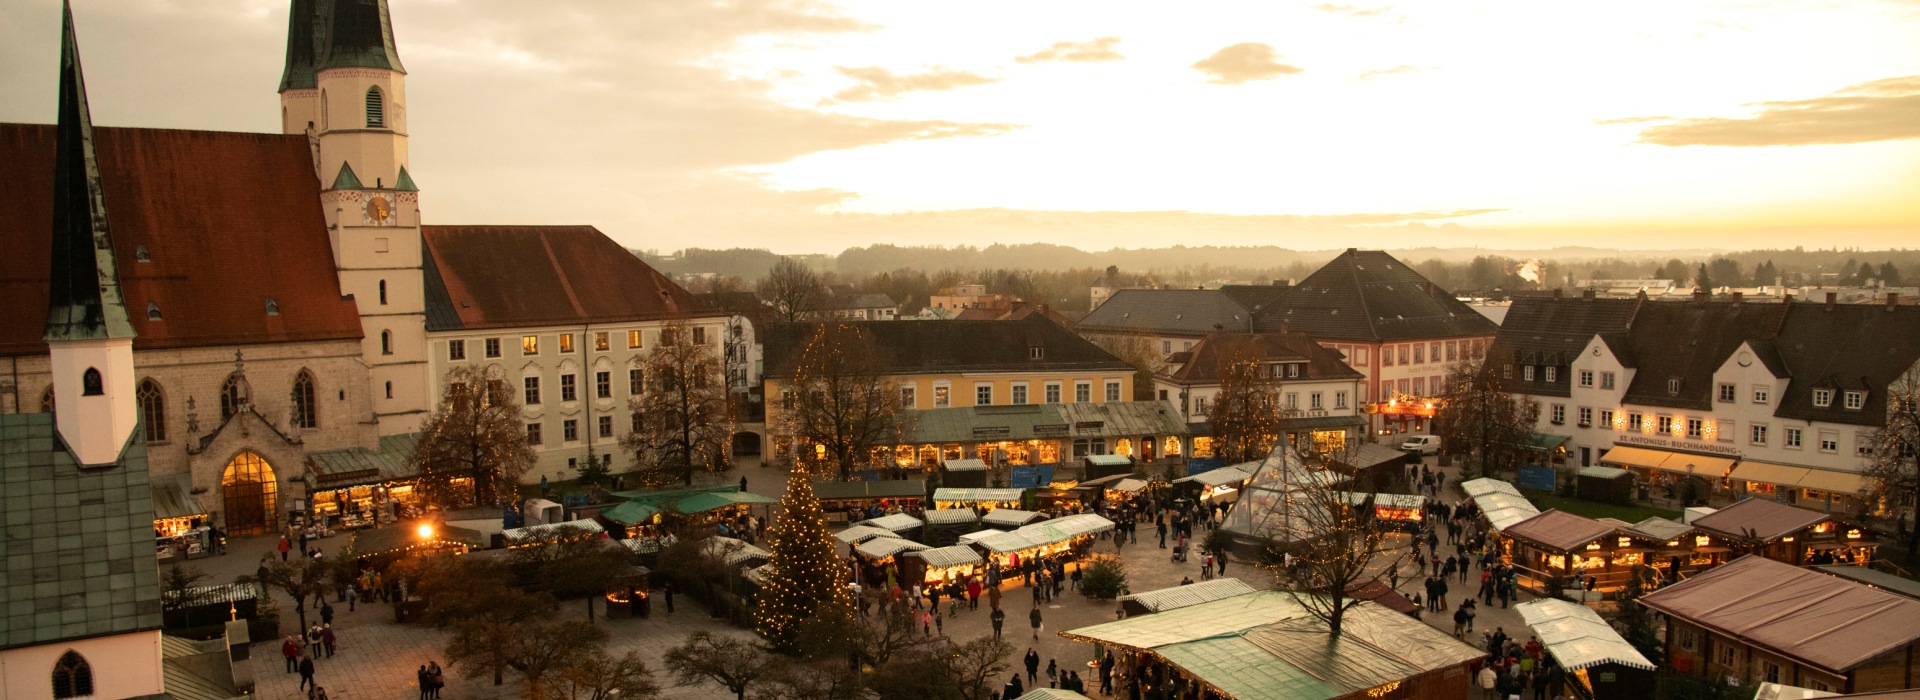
x,y
1318,394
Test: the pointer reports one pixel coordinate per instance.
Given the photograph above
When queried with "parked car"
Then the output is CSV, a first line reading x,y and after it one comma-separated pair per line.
x,y
1423,444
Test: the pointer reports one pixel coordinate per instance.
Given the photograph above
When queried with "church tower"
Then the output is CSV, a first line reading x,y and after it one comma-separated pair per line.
x,y
344,87
88,335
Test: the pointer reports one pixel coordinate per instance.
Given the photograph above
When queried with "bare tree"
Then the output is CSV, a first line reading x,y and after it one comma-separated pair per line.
x,y
535,649
724,661
792,289
1244,415
476,433
597,675
1478,416
842,399
1323,540
684,423
1894,465
969,671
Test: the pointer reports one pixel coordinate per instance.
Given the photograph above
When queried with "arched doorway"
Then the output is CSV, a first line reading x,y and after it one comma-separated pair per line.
x,y
251,494
746,444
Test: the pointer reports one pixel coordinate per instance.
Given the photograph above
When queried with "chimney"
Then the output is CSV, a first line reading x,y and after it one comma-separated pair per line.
x,y
1737,296
1832,298
1286,326
1700,296
1430,290
1893,300
1556,292
1787,297
1586,294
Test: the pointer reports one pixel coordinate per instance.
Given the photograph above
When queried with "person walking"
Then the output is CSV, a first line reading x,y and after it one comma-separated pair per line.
x,y
999,618
353,597
1033,665
284,546
1033,618
669,591
1460,621
1053,674
291,649
306,672
326,612
327,639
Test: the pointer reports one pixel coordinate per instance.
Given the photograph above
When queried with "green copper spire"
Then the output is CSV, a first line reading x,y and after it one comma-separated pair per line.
x,y
346,180
83,294
304,34
405,182
358,35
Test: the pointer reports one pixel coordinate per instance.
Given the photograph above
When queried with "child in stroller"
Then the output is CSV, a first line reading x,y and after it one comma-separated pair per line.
x,y
1179,553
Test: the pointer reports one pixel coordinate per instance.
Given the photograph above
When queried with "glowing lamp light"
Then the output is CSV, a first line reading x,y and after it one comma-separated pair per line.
x,y
425,531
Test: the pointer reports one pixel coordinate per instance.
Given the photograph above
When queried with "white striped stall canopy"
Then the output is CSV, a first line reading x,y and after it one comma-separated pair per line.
x,y
1504,511
1190,594
1010,518
883,547
898,522
1130,485
1483,486
1045,533
944,557
862,533
1576,636
952,516
1216,477
975,537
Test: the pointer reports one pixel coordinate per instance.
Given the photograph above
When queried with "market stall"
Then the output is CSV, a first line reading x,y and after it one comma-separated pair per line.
x,y
1567,551
976,536
1601,665
944,527
1501,505
181,527
984,499
897,525
878,555
627,595
1068,536
964,473
849,501
861,533
1398,508
942,565
1011,518
357,487
1788,534
539,534
1221,485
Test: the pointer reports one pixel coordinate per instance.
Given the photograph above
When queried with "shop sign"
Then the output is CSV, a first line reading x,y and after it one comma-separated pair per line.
x,y
1050,430
355,475
992,432
1667,444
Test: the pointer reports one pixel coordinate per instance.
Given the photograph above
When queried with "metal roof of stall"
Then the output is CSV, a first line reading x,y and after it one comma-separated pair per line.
x,y
1189,595
943,557
883,547
1576,636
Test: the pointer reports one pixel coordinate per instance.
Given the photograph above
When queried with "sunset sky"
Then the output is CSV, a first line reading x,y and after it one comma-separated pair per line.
x,y
810,127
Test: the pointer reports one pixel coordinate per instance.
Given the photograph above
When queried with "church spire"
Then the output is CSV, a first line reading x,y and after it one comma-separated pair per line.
x,y
358,35
83,297
304,35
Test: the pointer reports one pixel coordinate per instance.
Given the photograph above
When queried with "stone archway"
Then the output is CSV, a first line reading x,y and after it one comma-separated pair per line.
x,y
251,495
746,443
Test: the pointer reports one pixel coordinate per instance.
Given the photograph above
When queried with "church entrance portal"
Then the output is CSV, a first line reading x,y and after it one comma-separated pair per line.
x,y
251,494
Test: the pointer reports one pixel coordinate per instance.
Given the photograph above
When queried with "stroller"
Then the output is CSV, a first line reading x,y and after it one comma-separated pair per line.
x,y
1179,554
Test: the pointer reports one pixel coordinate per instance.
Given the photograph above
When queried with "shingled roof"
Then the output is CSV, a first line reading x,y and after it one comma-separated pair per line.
x,y
507,276
1553,331
1203,361
942,347
1848,347
207,226
1369,296
1168,311
1688,340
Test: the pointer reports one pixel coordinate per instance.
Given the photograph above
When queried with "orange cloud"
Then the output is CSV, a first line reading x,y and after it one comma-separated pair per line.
x,y
1882,110
880,83
1100,49
1241,63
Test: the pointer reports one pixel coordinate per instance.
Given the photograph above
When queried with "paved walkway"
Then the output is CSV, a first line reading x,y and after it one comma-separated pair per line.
x,y
377,658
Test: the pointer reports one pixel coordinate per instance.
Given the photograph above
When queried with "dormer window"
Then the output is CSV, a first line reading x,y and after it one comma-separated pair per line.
x,y
1037,352
1822,398
140,254
1673,386
153,311
376,109
273,307
1854,400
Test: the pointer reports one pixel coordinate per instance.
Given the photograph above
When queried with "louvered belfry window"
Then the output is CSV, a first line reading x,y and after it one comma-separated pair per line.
x,y
376,109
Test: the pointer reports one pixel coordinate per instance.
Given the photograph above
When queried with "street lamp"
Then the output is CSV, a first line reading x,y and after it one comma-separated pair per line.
x,y
425,531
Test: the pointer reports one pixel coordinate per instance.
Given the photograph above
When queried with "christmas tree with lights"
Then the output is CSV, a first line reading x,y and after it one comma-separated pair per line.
x,y
803,577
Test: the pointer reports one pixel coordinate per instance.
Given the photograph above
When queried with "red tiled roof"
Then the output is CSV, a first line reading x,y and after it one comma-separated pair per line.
x,y
228,220
505,276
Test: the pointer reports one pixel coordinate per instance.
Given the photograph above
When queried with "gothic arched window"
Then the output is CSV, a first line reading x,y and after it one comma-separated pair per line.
x,y
231,396
304,413
72,677
376,109
153,410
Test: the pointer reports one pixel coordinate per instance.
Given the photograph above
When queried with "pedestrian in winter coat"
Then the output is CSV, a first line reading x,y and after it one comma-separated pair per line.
x,y
999,618
327,639
291,649
306,672
1033,618
1032,660
285,546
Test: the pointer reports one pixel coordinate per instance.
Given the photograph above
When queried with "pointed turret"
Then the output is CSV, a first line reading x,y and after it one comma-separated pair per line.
x,y
83,300
304,34
89,340
358,35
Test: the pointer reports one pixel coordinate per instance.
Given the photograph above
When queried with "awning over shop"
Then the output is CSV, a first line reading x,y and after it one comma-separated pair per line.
x,y
861,533
1791,476
390,461
1576,636
1704,466
965,465
1476,488
1384,500
974,537
883,547
630,513
1542,442
1130,485
945,557
1104,482
898,522
733,551
1505,510
970,496
950,517
1322,423
1045,533
570,528
1009,518
173,498
1108,460
1188,595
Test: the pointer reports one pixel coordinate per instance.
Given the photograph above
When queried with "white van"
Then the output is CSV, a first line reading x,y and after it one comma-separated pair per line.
x,y
1423,444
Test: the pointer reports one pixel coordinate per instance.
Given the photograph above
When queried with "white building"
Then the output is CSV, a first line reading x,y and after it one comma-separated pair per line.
x,y
1319,395
1766,399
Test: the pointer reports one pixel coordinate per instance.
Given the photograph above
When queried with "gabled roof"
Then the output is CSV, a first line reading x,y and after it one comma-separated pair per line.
x,y
1849,347
1825,621
1553,331
1205,359
743,303
1168,311
1560,530
856,301
1765,518
1254,297
1689,340
946,347
507,276
207,226
1369,296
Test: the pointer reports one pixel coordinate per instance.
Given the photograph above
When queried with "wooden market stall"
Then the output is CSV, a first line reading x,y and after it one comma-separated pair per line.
x,y
1011,518
1560,549
944,527
840,499
181,527
982,499
942,565
964,473
1600,664
897,525
861,533
1402,510
1788,534
1069,537
879,555
1220,485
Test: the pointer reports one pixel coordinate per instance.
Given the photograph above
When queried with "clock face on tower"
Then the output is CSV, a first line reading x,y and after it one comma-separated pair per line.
x,y
379,209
